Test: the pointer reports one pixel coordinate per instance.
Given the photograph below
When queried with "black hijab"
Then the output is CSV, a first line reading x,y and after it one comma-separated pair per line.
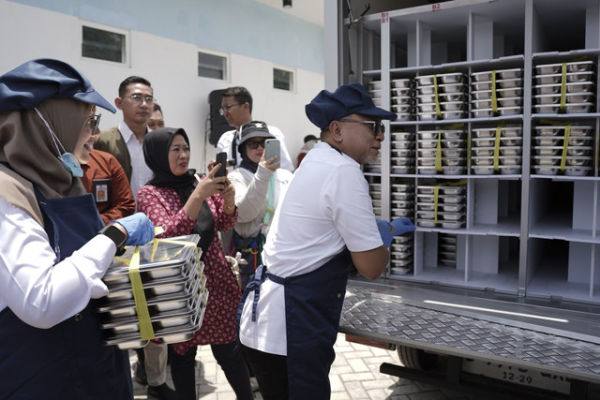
x,y
156,154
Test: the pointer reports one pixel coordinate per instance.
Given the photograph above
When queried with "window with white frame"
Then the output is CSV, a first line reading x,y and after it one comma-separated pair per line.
x,y
283,79
103,44
212,65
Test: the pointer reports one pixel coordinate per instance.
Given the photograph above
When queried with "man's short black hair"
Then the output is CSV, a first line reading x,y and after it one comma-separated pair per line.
x,y
128,81
240,93
157,107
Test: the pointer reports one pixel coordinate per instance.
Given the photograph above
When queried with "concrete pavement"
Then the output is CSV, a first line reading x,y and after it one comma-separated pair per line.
x,y
354,375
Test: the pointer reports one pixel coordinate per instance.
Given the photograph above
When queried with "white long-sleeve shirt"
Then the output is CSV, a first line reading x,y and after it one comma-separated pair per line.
x,y
224,144
251,196
41,292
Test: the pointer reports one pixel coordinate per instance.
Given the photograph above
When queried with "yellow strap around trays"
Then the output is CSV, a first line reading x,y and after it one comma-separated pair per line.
x,y
563,88
494,97
563,160
497,149
438,153
438,111
141,306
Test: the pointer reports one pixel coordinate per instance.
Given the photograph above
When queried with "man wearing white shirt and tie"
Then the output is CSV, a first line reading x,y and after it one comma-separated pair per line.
x,y
236,107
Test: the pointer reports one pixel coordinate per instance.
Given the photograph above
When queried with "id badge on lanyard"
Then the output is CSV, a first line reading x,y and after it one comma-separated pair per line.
x,y
100,190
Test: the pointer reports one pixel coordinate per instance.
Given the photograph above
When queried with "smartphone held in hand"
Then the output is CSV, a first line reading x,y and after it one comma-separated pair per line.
x,y
221,159
272,148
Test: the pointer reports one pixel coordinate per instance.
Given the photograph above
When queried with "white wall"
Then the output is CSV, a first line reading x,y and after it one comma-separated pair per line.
x,y
171,66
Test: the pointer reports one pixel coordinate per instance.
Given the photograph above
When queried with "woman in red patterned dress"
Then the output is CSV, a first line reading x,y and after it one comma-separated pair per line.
x,y
175,201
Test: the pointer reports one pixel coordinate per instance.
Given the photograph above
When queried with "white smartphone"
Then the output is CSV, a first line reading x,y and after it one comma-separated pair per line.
x,y
272,148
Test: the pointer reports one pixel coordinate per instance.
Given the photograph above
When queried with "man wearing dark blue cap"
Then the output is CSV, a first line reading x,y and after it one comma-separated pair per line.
x,y
55,250
325,223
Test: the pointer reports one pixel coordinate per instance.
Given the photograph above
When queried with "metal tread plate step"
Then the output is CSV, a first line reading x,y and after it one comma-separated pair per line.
x,y
383,318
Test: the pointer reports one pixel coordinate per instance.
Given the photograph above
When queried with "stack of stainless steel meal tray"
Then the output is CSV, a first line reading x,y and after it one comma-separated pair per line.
x,y
551,155
375,192
402,205
403,99
497,92
496,150
447,249
441,96
375,90
403,153
441,205
442,151
565,88
169,302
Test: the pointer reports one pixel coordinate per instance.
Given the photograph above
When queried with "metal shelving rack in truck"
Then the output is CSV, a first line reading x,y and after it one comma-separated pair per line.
x,y
495,157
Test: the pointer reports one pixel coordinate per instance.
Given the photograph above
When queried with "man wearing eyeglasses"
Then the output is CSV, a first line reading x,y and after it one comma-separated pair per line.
x,y
236,107
290,312
136,100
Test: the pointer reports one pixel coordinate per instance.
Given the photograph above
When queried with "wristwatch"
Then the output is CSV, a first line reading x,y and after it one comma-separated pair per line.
x,y
116,235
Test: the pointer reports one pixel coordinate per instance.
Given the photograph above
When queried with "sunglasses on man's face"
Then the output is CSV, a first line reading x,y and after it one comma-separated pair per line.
x,y
93,123
377,127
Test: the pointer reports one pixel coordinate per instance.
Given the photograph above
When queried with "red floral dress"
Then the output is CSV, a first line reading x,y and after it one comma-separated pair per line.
x,y
164,208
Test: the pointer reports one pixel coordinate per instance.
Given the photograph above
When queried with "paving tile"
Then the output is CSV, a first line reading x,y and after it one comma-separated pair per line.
x,y
358,365
358,376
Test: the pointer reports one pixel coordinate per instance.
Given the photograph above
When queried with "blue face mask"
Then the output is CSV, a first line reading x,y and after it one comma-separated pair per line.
x,y
68,160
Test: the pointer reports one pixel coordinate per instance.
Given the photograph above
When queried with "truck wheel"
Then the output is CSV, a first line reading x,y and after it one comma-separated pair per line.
x,y
417,358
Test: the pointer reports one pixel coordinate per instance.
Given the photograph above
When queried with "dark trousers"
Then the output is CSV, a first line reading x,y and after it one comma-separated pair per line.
x,y
270,371
229,357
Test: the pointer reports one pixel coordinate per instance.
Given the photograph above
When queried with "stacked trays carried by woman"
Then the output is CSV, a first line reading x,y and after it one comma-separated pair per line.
x,y
179,202
54,248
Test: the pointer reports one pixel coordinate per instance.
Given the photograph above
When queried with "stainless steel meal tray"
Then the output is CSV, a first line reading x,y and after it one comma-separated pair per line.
x,y
577,66
500,93
402,108
501,102
500,74
429,189
582,76
446,161
442,198
491,141
502,150
444,106
578,171
375,85
578,161
407,116
402,203
375,186
403,99
582,97
403,144
402,255
558,140
401,135
402,187
443,88
506,131
399,265
557,150
402,212
403,169
554,130
455,77
401,83
403,196
453,208
569,108
446,143
376,195
402,161
572,87
443,97
426,223
401,91
156,288
500,83
502,160
403,153
168,259
403,239
453,224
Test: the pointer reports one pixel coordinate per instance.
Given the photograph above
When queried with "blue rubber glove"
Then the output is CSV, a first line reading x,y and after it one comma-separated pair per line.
x,y
385,230
402,225
138,227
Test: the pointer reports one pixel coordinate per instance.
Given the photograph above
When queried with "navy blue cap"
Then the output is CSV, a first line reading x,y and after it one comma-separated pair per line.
x,y
347,99
26,86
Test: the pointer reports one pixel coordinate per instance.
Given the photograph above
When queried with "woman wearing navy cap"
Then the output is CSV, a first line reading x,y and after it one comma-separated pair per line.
x,y
325,222
54,249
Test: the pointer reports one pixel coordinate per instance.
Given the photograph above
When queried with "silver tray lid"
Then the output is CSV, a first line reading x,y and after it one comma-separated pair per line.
x,y
169,252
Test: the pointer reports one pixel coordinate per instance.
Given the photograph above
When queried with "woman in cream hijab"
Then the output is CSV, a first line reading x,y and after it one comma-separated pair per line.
x,y
52,257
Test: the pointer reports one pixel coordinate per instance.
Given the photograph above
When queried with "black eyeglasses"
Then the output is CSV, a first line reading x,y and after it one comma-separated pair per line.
x,y
94,123
376,126
253,145
223,109
138,98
